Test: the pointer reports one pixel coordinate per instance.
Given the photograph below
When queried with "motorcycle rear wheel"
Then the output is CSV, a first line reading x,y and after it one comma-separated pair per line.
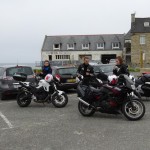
x,y
135,113
61,101
23,100
85,110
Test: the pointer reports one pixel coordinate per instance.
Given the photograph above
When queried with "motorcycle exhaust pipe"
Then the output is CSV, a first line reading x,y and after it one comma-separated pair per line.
x,y
87,104
84,102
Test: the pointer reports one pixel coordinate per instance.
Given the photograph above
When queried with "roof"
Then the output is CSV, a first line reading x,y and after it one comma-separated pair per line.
x,y
62,67
116,40
83,39
100,40
71,40
13,66
128,35
138,25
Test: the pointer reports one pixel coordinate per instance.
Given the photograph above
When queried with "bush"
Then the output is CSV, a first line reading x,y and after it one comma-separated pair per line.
x,y
37,70
134,69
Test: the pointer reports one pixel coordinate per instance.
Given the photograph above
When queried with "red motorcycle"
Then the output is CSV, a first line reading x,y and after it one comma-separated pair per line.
x,y
115,98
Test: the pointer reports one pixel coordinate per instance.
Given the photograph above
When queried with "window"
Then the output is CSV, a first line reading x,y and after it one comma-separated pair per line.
x,y
56,46
142,39
115,45
127,41
70,46
68,71
62,56
13,70
85,46
100,45
146,24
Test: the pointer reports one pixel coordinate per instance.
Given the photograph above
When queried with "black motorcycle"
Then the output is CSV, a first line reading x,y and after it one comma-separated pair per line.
x,y
143,85
111,99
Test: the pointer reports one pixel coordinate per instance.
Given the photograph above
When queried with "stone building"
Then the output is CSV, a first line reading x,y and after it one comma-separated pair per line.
x,y
74,47
140,41
127,48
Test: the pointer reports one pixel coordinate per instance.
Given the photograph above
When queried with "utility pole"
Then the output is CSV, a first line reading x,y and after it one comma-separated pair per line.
x,y
141,58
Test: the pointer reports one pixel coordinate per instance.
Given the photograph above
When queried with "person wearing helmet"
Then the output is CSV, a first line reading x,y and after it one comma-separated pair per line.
x,y
46,69
120,67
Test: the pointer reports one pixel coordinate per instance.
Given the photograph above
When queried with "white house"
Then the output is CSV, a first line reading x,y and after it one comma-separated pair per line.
x,y
75,47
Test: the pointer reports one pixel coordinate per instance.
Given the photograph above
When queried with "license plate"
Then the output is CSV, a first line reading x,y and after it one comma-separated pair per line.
x,y
71,80
17,86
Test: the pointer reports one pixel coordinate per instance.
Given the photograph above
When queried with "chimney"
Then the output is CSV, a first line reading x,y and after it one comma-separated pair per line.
x,y
132,18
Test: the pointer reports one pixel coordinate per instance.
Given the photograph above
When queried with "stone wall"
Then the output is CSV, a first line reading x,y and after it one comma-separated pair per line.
x,y
136,48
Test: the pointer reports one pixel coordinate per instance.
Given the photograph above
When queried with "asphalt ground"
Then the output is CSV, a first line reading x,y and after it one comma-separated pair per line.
x,y
44,127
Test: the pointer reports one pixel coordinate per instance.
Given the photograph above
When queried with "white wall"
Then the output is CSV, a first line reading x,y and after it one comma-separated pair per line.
x,y
74,55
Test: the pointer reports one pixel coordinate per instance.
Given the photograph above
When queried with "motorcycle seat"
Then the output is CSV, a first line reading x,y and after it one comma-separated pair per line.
x,y
138,82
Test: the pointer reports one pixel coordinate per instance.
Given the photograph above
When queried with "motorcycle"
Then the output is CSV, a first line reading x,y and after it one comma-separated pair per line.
x,y
142,85
46,91
113,98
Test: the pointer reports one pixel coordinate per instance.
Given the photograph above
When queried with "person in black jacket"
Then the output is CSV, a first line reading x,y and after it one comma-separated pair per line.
x,y
120,67
46,69
86,70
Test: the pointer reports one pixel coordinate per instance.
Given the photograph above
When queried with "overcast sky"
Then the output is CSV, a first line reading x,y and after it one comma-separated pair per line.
x,y
24,23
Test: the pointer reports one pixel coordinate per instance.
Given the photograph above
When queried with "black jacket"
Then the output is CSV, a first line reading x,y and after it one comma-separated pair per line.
x,y
121,69
83,69
46,70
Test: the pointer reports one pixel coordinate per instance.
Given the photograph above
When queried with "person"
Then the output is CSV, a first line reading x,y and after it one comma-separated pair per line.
x,y
46,69
120,67
86,70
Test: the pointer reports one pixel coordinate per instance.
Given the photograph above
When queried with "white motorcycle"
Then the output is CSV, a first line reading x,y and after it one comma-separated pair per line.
x,y
46,91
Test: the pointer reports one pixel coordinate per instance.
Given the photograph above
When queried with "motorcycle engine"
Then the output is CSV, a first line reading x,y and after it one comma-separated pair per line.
x,y
41,94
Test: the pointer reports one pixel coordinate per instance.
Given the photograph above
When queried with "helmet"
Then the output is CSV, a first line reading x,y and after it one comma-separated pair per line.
x,y
48,78
112,79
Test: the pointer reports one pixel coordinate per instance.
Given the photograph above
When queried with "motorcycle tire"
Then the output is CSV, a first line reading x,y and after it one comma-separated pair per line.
x,y
2,97
23,100
135,113
85,110
61,101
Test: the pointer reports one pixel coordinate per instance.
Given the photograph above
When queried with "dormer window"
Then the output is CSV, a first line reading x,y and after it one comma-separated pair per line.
x,y
85,46
100,45
70,46
146,24
56,47
115,45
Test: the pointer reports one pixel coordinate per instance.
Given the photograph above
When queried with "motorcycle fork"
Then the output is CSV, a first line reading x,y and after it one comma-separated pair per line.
x,y
129,98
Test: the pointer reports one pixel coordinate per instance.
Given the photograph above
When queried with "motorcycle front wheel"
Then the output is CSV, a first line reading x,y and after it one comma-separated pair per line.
x,y
133,110
60,101
85,110
23,100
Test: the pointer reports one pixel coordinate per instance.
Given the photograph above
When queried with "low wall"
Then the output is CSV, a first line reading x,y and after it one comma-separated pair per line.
x,y
144,70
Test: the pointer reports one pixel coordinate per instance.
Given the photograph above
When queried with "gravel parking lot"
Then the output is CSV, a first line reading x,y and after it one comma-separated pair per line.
x,y
39,127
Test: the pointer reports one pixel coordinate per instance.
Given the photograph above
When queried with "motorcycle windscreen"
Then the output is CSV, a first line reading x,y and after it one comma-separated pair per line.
x,y
128,82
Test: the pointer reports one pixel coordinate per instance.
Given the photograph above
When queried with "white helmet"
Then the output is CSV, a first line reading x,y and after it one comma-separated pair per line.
x,y
112,79
48,78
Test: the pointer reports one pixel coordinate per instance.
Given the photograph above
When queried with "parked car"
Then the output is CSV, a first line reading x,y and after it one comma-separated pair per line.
x,y
105,68
112,61
7,86
102,71
66,76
